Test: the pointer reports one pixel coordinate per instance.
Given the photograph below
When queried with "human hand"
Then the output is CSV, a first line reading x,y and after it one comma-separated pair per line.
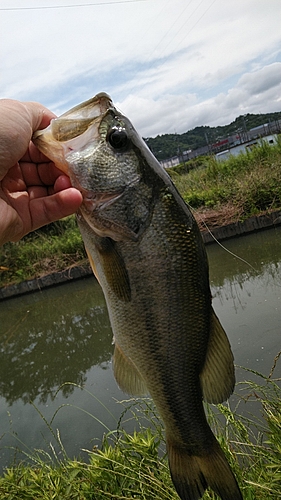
x,y
33,192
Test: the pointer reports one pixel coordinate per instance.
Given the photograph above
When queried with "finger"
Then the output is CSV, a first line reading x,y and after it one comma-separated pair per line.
x,y
61,183
39,115
51,208
37,192
13,180
49,173
18,121
43,174
30,174
34,155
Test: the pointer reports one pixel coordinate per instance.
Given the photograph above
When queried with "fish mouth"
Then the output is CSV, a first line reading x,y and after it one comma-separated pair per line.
x,y
71,131
89,109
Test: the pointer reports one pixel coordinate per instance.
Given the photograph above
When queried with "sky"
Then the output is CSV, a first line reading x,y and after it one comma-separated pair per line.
x,y
169,66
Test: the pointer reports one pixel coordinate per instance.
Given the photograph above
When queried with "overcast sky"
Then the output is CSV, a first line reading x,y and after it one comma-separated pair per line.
x,y
169,65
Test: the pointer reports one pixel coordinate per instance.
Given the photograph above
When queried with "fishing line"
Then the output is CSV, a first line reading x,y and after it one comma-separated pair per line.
x,y
219,243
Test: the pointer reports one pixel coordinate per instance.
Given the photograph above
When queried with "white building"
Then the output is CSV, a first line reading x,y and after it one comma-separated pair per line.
x,y
223,155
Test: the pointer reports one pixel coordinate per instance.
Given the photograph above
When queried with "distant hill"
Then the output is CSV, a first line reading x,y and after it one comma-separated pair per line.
x,y
168,145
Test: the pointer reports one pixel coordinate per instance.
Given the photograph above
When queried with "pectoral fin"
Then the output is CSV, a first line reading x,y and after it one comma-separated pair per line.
x,y
217,377
126,374
92,264
114,269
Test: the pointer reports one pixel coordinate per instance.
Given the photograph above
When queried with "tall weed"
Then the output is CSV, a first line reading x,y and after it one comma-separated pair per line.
x,y
251,180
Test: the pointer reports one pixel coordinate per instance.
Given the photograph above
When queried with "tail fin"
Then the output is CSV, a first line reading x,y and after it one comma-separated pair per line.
x,y
192,474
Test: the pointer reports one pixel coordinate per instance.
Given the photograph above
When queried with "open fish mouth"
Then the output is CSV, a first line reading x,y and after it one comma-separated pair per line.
x,y
73,130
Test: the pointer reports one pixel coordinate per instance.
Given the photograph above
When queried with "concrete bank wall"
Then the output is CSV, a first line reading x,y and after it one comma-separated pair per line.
x,y
38,284
219,233
241,228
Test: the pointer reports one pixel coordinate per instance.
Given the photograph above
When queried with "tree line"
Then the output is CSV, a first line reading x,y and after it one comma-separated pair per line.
x,y
169,145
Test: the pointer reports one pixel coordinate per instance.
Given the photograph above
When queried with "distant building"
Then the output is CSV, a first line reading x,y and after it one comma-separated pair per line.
x,y
236,150
233,144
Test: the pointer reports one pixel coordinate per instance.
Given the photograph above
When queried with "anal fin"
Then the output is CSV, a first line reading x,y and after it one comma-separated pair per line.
x,y
126,374
217,376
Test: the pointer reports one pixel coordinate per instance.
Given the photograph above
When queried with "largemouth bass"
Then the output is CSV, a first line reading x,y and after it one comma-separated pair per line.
x,y
147,253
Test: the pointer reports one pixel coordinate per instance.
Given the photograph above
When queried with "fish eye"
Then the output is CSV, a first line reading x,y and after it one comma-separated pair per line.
x,y
118,138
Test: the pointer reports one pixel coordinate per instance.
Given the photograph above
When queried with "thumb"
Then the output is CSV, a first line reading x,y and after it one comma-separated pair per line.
x,y
18,121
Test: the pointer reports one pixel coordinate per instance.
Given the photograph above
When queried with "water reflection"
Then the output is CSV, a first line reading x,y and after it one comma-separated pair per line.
x,y
241,259
247,297
53,337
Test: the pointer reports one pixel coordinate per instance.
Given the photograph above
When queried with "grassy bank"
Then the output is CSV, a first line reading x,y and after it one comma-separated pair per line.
x,y
55,247
135,466
234,189
219,193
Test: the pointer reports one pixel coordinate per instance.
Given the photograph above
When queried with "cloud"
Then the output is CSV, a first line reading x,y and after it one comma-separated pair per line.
x,y
167,114
179,113
262,80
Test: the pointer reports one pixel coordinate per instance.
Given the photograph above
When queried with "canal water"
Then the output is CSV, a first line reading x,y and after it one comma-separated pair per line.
x,y
56,348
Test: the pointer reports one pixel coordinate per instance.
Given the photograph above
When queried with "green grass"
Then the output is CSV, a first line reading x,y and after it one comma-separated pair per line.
x,y
134,466
251,181
52,248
